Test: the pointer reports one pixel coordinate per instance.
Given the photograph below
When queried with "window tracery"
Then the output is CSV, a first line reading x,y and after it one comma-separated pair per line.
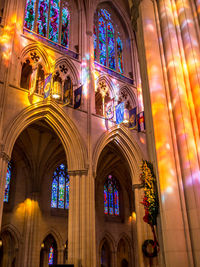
x,y
108,47
60,188
111,196
49,18
102,97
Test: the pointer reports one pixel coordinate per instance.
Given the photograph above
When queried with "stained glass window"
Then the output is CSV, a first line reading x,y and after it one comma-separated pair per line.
x,y
51,252
65,27
108,47
111,196
48,18
30,14
60,188
7,186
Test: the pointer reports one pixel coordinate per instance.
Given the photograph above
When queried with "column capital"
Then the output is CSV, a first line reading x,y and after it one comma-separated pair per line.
x,y
135,13
78,172
4,156
137,186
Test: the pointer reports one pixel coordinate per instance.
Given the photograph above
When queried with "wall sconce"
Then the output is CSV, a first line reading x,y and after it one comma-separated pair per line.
x,y
42,245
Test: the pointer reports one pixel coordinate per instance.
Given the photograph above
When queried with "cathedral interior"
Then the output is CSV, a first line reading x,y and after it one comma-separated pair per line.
x,y
100,133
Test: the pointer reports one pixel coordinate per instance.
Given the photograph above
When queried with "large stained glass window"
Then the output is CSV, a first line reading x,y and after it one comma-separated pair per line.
x,y
50,20
8,179
111,196
60,188
108,49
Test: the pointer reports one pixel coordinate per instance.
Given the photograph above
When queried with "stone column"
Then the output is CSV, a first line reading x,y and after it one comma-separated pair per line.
x,y
81,232
185,137
161,138
31,250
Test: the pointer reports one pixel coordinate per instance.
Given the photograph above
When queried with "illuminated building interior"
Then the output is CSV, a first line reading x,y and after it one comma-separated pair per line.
x,y
89,89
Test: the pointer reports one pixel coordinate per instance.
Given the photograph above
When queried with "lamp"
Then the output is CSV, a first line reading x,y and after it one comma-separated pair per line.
x,y
126,116
57,90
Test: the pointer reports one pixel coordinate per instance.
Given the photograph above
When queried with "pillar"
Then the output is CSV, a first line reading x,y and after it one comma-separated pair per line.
x,y
81,232
161,138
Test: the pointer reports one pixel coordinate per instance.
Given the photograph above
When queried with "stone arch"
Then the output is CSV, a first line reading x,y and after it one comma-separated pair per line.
x,y
124,238
66,130
71,69
132,97
107,238
10,245
108,81
56,235
41,51
14,232
122,137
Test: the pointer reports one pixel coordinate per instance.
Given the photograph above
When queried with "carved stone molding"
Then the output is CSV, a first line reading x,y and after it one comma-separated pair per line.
x,y
135,13
4,156
78,172
137,186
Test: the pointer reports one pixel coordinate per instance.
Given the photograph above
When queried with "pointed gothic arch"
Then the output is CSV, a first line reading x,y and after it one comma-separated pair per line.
x,y
122,137
66,130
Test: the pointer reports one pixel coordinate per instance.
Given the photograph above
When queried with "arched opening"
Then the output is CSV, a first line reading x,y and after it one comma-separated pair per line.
x,y
37,154
123,254
8,249
105,255
48,253
114,200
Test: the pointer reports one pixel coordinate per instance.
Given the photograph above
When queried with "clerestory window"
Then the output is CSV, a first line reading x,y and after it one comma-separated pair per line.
x,y
60,188
111,196
49,18
108,47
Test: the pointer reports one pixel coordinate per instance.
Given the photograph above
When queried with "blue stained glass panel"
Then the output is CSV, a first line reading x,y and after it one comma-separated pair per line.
x,y
54,20
67,196
51,252
102,41
110,196
116,201
7,186
105,200
61,198
119,54
30,14
65,27
111,46
54,195
42,20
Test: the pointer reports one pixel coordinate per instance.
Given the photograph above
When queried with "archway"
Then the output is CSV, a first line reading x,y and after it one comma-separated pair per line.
x,y
37,154
48,253
8,249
